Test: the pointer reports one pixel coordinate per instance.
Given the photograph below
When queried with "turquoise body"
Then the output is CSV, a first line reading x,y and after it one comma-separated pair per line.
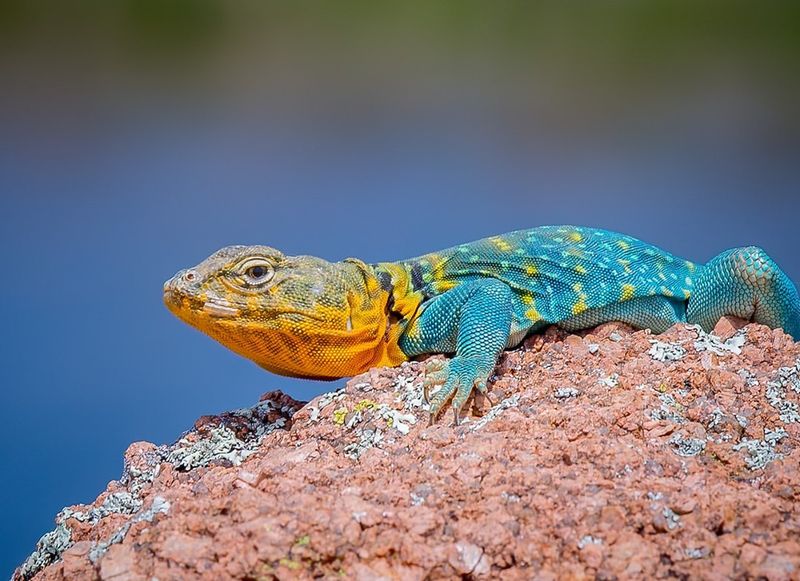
x,y
481,297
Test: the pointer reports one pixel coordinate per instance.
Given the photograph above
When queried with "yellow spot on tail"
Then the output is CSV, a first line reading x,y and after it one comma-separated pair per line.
x,y
577,287
501,244
687,294
662,276
623,245
628,292
531,270
580,306
527,299
666,292
691,266
580,269
626,264
575,236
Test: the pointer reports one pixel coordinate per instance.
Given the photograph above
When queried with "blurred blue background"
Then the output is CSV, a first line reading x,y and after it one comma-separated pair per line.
x,y
138,136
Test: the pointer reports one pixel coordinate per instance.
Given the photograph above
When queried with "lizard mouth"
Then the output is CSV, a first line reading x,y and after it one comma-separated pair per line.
x,y
216,307
220,308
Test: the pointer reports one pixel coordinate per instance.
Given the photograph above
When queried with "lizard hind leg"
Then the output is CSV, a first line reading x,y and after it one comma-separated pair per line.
x,y
745,283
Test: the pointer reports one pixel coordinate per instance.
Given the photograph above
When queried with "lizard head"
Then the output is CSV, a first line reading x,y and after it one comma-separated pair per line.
x,y
293,315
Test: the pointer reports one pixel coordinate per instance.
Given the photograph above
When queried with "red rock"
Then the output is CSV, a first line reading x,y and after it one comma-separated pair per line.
x,y
75,559
726,327
119,564
662,472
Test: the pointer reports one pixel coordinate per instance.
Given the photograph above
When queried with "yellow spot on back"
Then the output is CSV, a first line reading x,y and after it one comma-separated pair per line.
x,y
623,245
580,269
691,266
500,244
533,315
626,264
531,270
577,287
575,236
527,299
580,305
687,294
666,292
628,292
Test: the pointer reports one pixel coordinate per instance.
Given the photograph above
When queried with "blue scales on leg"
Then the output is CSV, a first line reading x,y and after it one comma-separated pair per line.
x,y
474,321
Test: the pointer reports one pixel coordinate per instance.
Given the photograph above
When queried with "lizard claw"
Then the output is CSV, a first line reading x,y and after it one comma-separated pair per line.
x,y
435,374
481,387
459,376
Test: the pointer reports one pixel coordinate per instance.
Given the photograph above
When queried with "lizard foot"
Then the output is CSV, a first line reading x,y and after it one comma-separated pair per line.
x,y
458,377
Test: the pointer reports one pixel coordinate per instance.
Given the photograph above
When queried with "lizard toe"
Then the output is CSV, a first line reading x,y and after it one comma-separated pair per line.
x,y
464,374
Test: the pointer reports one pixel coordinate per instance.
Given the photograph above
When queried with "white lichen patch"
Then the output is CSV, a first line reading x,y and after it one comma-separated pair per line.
x,y
776,393
49,549
116,503
610,381
687,447
716,419
761,452
509,402
696,552
772,437
661,351
136,480
221,444
749,379
397,420
669,410
566,392
589,540
254,418
410,393
324,401
159,506
52,545
708,342
673,520
367,439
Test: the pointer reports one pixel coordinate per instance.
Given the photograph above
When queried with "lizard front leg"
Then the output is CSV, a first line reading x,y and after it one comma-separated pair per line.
x,y
473,320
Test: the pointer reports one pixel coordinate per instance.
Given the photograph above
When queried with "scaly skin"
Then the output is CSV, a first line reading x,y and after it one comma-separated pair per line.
x,y
305,317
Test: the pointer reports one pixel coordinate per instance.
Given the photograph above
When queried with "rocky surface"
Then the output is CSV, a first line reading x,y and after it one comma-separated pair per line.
x,y
610,455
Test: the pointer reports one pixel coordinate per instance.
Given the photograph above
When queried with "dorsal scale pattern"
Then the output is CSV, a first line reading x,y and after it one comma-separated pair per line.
x,y
558,272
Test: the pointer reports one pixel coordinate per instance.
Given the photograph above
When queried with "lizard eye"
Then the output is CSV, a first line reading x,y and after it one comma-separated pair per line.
x,y
258,273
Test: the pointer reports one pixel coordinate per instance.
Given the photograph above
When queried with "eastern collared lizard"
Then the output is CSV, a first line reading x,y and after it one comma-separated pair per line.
x,y
303,316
